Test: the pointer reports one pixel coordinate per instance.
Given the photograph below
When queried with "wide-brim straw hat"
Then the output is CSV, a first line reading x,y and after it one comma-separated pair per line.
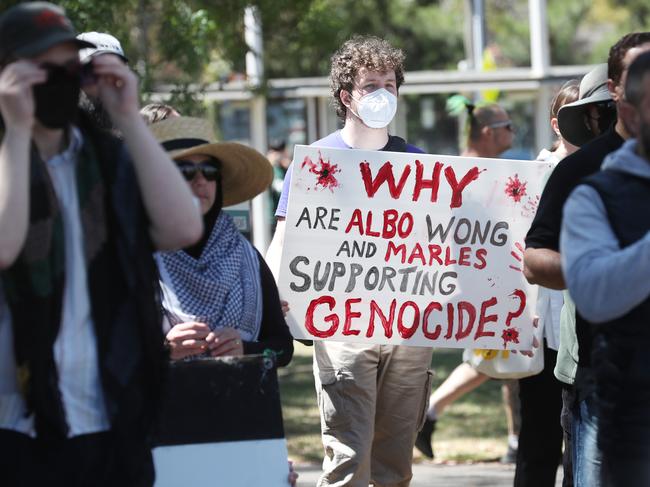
x,y
570,118
245,172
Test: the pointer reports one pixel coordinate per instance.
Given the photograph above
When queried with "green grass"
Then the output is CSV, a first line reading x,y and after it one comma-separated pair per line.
x,y
471,429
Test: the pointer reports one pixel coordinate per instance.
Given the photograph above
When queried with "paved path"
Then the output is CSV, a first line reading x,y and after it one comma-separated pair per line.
x,y
432,475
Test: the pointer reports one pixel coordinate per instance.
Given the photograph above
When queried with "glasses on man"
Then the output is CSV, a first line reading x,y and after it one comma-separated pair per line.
x,y
209,169
506,124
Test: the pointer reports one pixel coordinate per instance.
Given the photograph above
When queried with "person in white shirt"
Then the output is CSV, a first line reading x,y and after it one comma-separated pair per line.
x,y
80,215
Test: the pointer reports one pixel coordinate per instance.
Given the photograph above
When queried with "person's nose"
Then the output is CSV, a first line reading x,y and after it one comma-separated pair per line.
x,y
199,179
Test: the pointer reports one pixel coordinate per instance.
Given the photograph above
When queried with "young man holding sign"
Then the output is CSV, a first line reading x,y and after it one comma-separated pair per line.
x,y
372,398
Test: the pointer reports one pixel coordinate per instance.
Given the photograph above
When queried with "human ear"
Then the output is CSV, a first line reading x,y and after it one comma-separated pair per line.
x,y
555,127
345,97
614,90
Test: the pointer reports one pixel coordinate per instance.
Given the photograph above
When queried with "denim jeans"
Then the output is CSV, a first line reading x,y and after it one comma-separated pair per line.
x,y
587,456
623,395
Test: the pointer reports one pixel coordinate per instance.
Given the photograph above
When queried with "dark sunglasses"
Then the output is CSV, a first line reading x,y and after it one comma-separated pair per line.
x,y
506,124
189,170
73,68
603,109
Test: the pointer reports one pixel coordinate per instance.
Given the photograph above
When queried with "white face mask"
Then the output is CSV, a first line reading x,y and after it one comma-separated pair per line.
x,y
377,109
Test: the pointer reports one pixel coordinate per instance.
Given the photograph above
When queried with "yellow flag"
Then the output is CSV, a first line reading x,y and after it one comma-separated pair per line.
x,y
489,64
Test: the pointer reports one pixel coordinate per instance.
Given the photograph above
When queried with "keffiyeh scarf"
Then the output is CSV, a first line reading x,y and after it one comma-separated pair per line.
x,y
219,288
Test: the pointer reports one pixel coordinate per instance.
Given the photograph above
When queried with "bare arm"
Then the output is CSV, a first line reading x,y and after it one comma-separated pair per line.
x,y
17,107
175,220
14,194
274,253
543,267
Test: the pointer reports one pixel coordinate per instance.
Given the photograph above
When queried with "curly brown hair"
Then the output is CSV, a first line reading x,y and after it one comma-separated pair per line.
x,y
368,52
157,112
618,51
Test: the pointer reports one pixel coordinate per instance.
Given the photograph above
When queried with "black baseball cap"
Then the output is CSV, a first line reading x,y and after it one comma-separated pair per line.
x,y
27,29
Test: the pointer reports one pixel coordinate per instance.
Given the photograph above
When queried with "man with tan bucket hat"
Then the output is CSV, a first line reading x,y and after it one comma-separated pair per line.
x,y
219,293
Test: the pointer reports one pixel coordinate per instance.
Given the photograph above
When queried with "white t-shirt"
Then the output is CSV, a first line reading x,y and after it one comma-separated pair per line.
x,y
549,301
75,348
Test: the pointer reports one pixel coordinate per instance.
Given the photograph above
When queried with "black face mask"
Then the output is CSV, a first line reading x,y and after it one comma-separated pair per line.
x,y
56,99
606,115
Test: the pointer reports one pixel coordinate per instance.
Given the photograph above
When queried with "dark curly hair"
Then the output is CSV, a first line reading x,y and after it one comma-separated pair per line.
x,y
368,52
157,112
618,51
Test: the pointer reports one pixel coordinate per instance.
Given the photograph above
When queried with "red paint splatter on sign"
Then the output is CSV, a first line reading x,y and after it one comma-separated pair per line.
x,y
324,171
530,207
517,294
510,335
518,256
515,188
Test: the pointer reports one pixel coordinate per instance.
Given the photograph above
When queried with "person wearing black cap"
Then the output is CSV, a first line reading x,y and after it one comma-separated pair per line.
x,y
542,264
81,356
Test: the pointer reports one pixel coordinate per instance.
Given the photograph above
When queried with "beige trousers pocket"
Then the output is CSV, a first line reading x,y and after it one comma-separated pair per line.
x,y
334,387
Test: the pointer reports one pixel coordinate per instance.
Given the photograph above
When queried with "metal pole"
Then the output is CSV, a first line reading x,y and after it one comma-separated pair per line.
x,y
260,211
540,61
323,117
539,46
312,122
543,131
478,34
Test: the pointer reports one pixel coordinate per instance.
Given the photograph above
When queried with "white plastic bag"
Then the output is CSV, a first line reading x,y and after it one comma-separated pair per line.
x,y
504,364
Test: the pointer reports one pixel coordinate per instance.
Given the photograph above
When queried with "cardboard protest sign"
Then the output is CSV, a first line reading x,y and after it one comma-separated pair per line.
x,y
220,417
412,249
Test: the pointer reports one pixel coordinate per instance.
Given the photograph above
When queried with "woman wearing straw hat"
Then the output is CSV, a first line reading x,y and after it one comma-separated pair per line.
x,y
219,296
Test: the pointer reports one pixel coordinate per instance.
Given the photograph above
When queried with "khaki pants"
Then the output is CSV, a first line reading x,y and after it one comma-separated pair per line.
x,y
372,400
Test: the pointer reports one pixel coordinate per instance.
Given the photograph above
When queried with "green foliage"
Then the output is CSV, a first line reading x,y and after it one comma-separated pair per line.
x,y
189,36
194,42
187,101
508,28
580,31
565,19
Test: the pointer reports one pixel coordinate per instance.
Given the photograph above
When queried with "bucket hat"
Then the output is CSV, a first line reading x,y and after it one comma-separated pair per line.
x,y
571,117
245,172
